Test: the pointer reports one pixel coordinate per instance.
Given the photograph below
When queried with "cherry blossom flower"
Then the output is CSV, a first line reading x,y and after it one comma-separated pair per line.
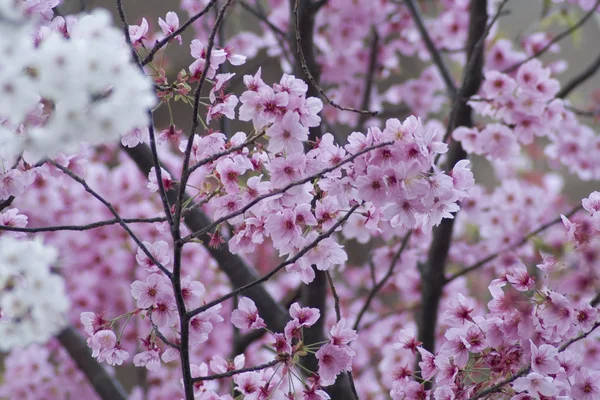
x,y
587,384
288,134
160,252
170,25
543,359
246,315
147,293
535,383
332,361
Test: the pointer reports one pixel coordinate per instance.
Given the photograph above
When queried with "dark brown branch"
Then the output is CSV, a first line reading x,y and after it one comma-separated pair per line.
x,y
437,58
93,225
304,22
579,79
263,18
369,76
160,44
557,38
520,243
184,318
105,385
123,18
237,371
379,285
6,203
432,272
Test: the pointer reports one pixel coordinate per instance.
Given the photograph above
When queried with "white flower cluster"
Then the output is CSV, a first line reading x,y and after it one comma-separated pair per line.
x,y
33,300
84,88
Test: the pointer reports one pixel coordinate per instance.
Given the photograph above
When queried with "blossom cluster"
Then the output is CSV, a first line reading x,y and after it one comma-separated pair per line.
x,y
63,88
33,299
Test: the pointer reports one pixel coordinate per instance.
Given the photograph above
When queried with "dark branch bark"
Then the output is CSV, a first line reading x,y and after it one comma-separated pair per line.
x,y
436,56
579,79
432,272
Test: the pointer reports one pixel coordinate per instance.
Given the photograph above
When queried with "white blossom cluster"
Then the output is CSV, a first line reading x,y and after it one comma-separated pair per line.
x,y
33,300
59,89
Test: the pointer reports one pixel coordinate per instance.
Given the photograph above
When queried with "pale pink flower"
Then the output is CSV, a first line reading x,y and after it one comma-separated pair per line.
x,y
408,341
165,310
327,254
202,324
332,361
283,229
587,385
192,292
306,316
114,356
92,322
249,384
372,186
135,137
288,134
246,315
340,334
11,217
160,252
167,181
102,340
170,25
137,33
146,293
535,383
459,310
543,359
427,363
149,359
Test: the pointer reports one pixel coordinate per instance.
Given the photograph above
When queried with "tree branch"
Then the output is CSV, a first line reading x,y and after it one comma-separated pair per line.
x,y
579,79
382,282
521,242
557,38
432,272
437,58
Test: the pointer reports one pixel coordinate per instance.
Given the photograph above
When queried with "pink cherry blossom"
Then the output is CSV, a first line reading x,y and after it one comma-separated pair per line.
x,y
170,25
246,315
332,361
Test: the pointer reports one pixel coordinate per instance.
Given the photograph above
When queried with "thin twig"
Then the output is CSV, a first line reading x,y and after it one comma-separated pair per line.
x,y
268,276
338,316
557,38
237,371
518,244
579,79
383,281
438,60
123,18
93,225
161,43
309,75
110,207
336,298
369,76
262,17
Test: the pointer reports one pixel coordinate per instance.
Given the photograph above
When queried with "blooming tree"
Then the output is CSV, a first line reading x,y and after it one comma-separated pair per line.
x,y
217,258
